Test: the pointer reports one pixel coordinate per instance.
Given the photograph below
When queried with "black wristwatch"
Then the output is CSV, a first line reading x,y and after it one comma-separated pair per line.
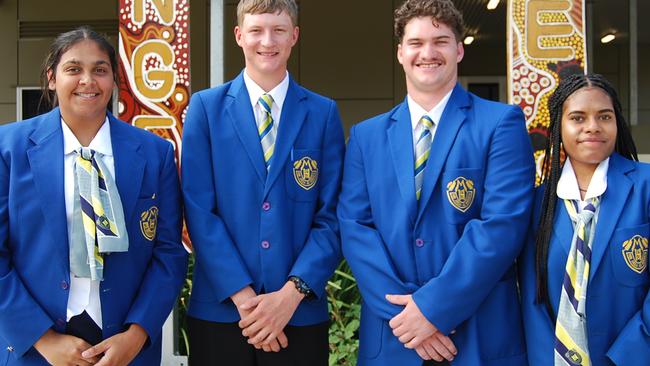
x,y
302,287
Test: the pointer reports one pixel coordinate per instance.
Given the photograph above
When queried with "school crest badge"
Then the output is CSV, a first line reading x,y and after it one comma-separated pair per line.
x,y
574,357
460,193
149,223
305,172
635,252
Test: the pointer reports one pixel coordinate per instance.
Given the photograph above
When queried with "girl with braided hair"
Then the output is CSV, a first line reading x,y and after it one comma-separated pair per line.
x,y
584,274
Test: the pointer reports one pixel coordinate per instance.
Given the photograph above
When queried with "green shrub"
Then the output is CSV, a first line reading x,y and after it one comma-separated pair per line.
x,y
344,302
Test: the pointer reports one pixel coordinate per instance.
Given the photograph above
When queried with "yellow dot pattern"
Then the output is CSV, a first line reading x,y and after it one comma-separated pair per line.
x,y
525,85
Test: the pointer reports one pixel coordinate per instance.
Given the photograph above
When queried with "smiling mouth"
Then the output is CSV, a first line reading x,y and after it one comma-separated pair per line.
x,y
86,95
268,54
429,65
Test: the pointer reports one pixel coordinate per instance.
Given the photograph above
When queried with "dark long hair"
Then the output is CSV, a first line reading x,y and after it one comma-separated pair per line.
x,y
551,169
62,43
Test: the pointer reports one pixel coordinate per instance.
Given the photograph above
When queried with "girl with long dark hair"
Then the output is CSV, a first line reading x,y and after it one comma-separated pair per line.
x,y
584,275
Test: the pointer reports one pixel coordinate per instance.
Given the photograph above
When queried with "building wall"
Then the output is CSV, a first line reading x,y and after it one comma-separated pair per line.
x,y
345,51
613,62
29,26
9,61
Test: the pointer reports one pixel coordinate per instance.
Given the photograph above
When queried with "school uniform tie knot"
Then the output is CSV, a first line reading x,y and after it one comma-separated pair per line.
x,y
266,100
587,213
86,153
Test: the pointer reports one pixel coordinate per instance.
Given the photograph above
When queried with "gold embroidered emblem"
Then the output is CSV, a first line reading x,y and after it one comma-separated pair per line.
x,y
574,357
149,223
305,172
635,252
460,193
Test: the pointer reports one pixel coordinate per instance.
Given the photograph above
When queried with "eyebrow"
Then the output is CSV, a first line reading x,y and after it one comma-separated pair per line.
x,y
445,37
606,110
75,62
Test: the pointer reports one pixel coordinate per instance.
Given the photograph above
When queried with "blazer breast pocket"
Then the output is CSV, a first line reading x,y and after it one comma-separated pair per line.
x,y
462,194
303,175
146,213
628,252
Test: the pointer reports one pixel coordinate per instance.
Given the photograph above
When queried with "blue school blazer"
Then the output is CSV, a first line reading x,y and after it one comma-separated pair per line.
x,y
618,304
250,227
140,286
455,249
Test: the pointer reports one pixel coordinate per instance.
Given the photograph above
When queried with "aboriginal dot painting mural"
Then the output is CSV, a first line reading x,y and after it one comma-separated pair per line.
x,y
154,49
546,43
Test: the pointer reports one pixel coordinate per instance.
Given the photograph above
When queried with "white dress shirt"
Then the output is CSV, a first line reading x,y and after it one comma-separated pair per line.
x,y
417,112
568,189
84,292
279,93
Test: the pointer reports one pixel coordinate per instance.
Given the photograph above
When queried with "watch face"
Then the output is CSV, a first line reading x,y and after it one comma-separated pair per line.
x,y
301,286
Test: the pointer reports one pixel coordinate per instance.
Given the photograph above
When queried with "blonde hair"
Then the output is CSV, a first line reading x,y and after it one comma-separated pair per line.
x,y
267,6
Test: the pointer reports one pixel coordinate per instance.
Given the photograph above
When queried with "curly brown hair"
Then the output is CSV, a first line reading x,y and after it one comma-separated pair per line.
x,y
442,11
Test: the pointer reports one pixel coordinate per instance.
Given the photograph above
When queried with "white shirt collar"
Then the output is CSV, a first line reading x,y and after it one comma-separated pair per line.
x,y
100,143
435,113
278,93
567,186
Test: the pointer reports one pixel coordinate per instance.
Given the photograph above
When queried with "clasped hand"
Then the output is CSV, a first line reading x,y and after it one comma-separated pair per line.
x,y
118,350
263,317
415,331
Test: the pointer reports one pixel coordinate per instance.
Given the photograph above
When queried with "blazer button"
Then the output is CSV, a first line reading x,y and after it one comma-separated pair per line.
x,y
266,244
64,285
419,242
266,206
10,349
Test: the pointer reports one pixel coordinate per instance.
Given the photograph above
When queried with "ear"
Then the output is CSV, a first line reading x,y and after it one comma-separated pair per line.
x,y
51,81
294,36
238,35
460,52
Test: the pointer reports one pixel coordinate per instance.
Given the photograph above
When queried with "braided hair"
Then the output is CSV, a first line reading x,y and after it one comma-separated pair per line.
x,y
551,166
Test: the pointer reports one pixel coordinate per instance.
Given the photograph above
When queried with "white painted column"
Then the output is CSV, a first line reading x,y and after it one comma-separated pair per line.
x,y
216,42
170,356
170,331
634,64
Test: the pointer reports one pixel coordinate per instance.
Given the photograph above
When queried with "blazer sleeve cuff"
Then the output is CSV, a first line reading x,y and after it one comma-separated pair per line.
x,y
445,324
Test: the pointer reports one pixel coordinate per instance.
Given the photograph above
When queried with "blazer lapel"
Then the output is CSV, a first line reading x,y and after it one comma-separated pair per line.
x,y
243,121
450,122
129,165
611,207
294,114
562,226
400,141
47,166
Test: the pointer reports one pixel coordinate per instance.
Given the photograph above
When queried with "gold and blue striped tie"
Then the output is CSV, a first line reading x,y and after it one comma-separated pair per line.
x,y
422,150
99,219
571,346
266,130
